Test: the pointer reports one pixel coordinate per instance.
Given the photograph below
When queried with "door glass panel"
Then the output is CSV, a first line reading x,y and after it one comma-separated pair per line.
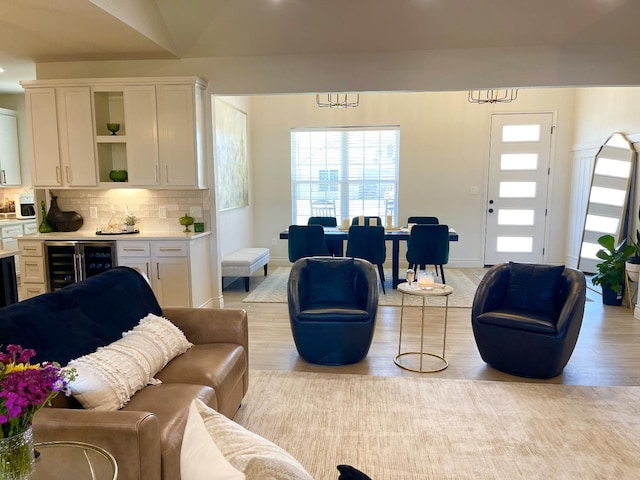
x,y
517,190
608,196
515,217
612,168
521,133
598,223
519,161
515,244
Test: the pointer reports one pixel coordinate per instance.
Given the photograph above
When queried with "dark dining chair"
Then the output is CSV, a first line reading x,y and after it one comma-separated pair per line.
x,y
368,243
333,244
429,245
423,220
526,317
367,220
306,241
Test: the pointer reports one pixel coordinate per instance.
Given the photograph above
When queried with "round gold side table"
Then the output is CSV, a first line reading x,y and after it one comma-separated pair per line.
x,y
439,290
70,459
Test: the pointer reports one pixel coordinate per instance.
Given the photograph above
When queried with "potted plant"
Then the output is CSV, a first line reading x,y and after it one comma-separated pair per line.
x,y
633,263
130,222
611,270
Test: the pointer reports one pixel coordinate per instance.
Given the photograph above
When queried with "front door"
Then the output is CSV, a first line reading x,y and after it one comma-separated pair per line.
x,y
519,159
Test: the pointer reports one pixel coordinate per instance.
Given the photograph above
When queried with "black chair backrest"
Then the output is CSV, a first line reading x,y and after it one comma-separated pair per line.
x,y
428,245
367,221
368,243
423,220
324,221
306,241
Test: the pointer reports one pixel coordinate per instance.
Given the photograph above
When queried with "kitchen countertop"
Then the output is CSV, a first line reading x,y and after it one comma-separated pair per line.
x,y
91,235
8,253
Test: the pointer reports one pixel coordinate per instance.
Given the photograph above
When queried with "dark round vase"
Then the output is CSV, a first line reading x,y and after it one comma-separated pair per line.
x,y
609,297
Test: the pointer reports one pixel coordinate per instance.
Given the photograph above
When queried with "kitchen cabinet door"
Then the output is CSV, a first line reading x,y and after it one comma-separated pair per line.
x,y
142,135
77,148
177,139
42,120
171,281
9,152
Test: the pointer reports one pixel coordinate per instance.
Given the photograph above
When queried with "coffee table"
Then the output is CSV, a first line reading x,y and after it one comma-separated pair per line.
x,y
439,290
69,459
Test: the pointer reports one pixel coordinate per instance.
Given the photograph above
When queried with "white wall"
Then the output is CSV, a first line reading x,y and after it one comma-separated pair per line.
x,y
444,145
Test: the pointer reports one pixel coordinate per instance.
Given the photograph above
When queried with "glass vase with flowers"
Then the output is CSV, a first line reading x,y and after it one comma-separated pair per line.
x,y
24,389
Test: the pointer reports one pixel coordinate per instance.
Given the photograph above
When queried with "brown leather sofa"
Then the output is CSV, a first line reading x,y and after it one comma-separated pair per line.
x,y
145,436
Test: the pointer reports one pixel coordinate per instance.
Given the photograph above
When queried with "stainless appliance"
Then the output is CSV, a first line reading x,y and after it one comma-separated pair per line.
x,y
24,206
72,261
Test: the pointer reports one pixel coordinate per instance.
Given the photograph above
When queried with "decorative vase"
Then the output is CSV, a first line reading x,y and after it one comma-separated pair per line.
x,y
118,175
186,221
633,271
45,226
17,461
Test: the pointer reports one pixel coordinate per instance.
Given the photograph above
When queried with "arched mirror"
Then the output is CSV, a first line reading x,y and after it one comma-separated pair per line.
x,y
608,197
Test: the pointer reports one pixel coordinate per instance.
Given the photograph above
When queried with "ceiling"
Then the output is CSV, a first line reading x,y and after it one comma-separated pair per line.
x,y
40,31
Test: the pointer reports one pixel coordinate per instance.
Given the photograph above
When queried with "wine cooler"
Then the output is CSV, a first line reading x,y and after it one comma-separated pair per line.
x,y
72,261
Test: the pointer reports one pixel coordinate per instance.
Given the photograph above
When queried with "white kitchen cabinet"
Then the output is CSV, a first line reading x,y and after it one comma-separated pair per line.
x,y
178,270
32,268
142,135
61,136
9,151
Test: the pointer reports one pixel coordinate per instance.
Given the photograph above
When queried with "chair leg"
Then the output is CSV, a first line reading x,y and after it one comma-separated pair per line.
x,y
442,272
381,272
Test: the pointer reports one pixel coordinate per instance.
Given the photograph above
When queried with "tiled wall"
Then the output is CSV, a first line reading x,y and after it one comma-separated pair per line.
x,y
144,204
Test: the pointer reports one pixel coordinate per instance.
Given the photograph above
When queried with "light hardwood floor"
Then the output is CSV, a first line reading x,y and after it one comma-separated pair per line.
x,y
607,352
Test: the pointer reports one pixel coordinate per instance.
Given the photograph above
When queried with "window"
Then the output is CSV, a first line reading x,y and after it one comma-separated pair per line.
x,y
352,169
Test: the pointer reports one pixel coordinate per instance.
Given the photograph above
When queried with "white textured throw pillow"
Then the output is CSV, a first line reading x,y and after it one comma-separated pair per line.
x,y
108,378
200,458
255,456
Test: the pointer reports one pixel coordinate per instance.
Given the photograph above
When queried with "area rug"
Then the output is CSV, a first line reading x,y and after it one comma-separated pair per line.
x,y
273,289
428,428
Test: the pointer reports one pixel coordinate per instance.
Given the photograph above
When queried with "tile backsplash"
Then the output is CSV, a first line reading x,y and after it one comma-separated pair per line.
x,y
146,205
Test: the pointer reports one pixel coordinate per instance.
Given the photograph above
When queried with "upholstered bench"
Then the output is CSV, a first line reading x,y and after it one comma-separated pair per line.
x,y
244,262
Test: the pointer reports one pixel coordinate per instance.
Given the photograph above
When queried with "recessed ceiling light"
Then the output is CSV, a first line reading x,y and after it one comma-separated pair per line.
x,y
1,69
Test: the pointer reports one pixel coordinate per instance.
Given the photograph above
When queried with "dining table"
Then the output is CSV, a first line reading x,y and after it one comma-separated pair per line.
x,y
394,235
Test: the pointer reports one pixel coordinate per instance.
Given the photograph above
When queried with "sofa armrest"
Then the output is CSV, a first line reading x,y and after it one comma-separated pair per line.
x,y
208,325
133,438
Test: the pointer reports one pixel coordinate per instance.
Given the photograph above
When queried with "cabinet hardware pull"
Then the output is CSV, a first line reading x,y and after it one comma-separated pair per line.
x,y
170,249
158,270
166,173
148,270
57,174
4,176
133,249
156,173
29,249
68,172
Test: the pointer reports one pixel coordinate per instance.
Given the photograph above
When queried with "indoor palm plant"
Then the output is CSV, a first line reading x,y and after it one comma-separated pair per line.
x,y
611,270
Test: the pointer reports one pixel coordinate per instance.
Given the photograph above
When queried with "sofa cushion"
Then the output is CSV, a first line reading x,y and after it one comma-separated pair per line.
x,y
533,287
331,280
218,365
107,378
248,452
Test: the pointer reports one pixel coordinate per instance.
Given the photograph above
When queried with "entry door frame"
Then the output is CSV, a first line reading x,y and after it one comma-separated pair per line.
x,y
550,177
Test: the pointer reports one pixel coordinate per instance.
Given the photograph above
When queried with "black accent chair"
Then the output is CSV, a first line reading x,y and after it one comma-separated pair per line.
x,y
333,244
526,317
368,243
429,245
306,241
423,220
333,303
367,221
